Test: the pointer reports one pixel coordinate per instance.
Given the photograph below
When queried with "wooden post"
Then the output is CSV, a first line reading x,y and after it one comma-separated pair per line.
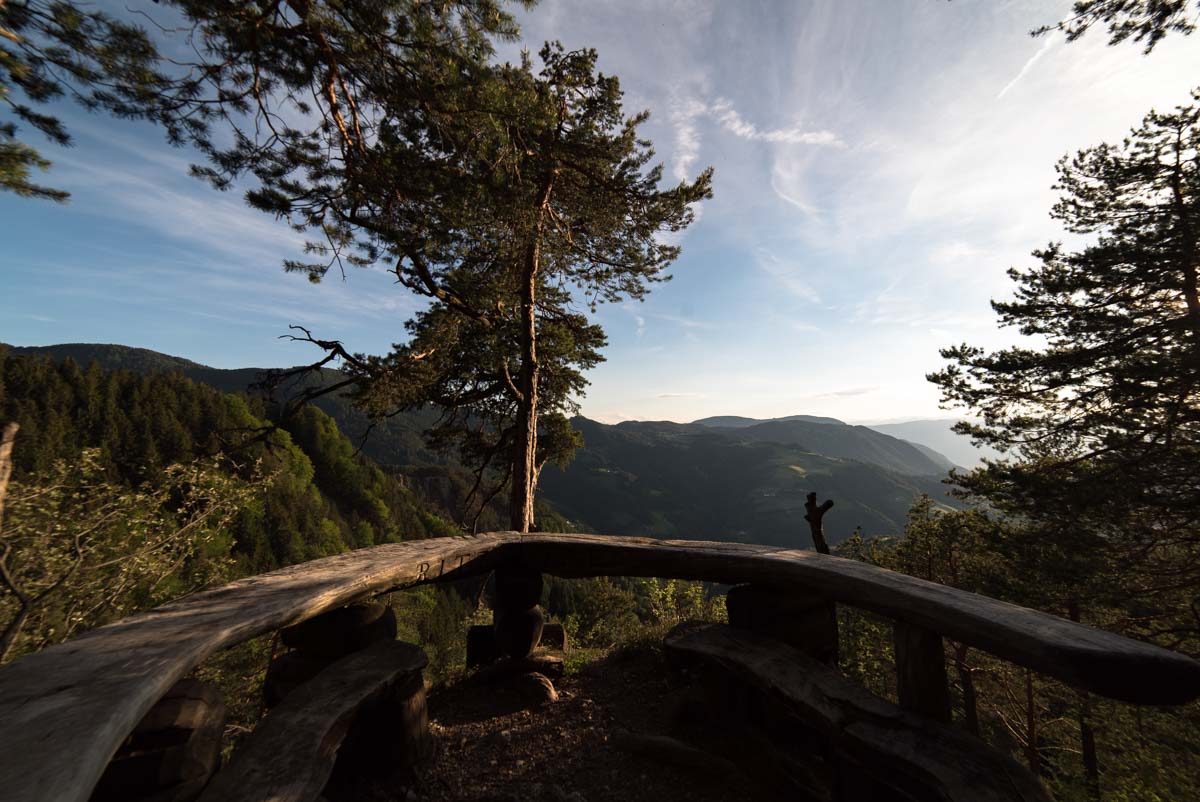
x,y
517,618
921,672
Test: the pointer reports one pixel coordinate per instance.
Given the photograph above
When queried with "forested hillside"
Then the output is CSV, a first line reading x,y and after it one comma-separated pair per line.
x,y
318,497
393,441
688,481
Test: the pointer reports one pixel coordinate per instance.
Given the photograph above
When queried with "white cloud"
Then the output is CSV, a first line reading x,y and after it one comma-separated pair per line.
x,y
684,116
953,251
731,121
849,391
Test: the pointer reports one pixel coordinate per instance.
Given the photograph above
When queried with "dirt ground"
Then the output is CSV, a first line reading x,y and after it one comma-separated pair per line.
x,y
565,751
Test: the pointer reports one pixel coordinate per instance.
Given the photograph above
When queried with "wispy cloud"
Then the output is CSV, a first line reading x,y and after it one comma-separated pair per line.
x,y
953,251
681,395
640,313
724,112
687,113
193,213
794,277
1050,40
684,115
849,391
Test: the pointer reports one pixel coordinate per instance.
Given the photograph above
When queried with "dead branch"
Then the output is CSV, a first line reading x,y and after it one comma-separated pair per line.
x,y
814,515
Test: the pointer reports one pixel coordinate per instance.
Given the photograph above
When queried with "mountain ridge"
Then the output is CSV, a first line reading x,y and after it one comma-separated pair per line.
x,y
663,479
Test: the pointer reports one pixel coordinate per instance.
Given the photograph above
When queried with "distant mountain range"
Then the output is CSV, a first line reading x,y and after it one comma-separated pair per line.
x,y
834,438
722,478
935,438
699,482
940,436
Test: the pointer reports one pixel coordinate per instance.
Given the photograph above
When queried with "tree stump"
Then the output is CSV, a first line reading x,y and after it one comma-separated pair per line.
x,y
803,724
554,636
173,751
482,649
518,632
921,672
362,720
321,641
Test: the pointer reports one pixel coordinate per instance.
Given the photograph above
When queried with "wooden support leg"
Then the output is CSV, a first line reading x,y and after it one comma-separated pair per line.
x,y
482,649
921,672
806,622
517,619
172,753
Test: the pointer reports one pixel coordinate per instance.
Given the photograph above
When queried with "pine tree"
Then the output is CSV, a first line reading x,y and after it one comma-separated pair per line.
x,y
545,200
1104,419
52,49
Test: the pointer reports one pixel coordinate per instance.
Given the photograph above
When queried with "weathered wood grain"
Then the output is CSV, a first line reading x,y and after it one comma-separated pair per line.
x,y
1101,662
63,711
290,755
920,757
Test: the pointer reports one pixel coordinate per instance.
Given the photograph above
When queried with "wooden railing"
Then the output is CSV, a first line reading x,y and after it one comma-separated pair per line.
x,y
65,710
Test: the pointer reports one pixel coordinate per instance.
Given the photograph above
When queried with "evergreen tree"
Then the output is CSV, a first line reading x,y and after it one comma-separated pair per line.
x,y
318,496
1104,420
545,199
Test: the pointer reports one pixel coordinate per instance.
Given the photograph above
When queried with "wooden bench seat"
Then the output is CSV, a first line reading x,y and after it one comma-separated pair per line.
x,y
874,750
291,754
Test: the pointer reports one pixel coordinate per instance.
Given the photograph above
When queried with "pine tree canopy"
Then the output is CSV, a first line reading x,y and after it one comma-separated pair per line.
x,y
1117,381
289,95
1102,417
52,49
1140,20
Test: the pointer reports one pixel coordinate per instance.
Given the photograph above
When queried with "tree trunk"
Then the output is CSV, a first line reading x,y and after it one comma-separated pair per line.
x,y
1087,736
524,464
815,515
1091,763
9,638
524,482
7,438
1031,735
970,700
13,628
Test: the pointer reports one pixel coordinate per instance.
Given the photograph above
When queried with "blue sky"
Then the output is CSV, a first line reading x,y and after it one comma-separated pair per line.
x,y
879,165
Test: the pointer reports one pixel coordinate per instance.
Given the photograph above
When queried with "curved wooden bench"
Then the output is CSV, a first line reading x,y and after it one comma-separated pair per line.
x,y
290,755
912,755
65,709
